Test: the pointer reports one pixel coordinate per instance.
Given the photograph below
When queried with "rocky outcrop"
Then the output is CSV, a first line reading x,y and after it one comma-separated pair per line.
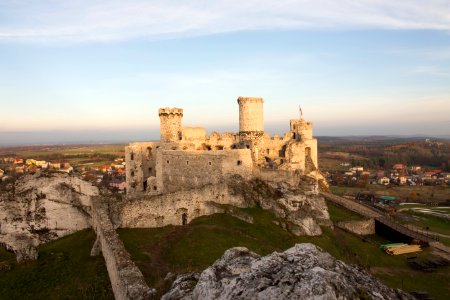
x,y
299,208
39,208
301,272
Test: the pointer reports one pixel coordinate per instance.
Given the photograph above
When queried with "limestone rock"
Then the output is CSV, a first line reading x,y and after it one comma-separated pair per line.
x,y
40,208
300,209
301,272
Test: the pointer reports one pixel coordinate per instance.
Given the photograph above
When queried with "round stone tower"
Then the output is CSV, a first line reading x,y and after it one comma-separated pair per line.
x,y
251,117
251,126
170,124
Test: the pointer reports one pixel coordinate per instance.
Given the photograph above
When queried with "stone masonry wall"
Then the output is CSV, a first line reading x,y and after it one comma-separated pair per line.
x,y
363,227
161,210
126,279
184,169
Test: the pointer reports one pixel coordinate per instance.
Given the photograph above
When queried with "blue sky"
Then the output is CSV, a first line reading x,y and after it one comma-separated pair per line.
x,y
99,70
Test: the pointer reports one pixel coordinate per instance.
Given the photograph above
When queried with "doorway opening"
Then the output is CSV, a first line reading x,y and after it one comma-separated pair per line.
x,y
184,218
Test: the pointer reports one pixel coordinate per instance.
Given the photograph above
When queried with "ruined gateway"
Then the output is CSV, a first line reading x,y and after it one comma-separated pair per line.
x,y
188,174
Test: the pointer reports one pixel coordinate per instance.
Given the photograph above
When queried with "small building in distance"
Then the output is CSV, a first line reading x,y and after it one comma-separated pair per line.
x,y
187,158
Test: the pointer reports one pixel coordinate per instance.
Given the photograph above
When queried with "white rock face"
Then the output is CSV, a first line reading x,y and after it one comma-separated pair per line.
x,y
41,208
300,209
301,272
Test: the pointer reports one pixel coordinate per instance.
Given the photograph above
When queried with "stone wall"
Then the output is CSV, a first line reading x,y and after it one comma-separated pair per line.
x,y
299,209
126,279
180,170
277,176
140,164
363,227
194,134
161,210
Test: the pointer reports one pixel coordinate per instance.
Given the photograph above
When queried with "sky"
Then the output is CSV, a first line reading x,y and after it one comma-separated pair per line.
x,y
97,71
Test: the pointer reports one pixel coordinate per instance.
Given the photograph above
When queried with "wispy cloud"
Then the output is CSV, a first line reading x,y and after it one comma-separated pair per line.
x,y
425,52
430,70
84,20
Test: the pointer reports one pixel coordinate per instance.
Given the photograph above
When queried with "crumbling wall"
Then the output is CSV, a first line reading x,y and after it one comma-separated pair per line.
x,y
301,209
140,164
277,176
362,227
126,279
167,209
184,169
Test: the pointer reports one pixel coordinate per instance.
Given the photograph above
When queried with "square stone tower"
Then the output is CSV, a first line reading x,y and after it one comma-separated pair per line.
x,y
170,124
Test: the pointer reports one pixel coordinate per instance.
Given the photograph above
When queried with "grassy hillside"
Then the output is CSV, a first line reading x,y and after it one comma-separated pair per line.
x,y
64,270
194,247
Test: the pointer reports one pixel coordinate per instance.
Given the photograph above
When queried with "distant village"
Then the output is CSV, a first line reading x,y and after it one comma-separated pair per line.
x,y
399,174
110,175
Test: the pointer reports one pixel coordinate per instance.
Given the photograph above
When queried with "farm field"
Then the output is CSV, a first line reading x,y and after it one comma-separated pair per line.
x,y
92,155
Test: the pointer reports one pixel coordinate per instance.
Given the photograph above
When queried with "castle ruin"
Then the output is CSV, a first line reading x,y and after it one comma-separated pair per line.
x,y
187,158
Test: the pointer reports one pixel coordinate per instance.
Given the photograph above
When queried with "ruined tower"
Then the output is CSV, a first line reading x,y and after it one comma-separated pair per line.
x,y
251,126
251,119
170,124
301,129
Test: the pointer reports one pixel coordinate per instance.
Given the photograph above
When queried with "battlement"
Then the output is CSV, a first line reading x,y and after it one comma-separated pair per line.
x,y
242,100
300,124
171,111
170,124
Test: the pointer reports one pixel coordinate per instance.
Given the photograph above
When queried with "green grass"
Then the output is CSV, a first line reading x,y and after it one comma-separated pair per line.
x,y
339,213
64,270
197,245
436,224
